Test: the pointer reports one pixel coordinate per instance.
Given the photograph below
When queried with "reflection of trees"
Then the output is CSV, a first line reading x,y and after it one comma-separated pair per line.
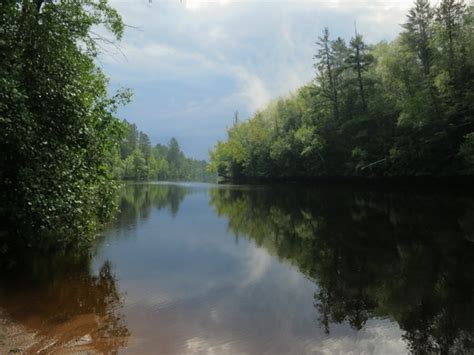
x,y
373,254
64,303
58,297
137,200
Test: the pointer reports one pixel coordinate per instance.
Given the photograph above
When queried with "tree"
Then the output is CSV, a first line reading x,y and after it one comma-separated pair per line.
x,y
57,122
236,118
174,158
450,15
326,73
359,60
144,145
419,32
130,143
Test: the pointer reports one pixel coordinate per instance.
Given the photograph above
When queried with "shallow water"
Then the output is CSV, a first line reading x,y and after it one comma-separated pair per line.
x,y
202,268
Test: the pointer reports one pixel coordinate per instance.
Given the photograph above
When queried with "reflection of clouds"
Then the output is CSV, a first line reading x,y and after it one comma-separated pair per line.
x,y
194,329
379,337
203,346
215,315
191,289
243,317
256,264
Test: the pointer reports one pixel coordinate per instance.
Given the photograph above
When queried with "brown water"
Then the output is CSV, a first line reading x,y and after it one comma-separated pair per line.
x,y
195,268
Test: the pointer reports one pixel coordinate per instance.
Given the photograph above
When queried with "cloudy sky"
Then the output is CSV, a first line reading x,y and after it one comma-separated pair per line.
x,y
192,63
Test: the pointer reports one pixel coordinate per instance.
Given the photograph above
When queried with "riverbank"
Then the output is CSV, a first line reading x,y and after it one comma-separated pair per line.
x,y
401,181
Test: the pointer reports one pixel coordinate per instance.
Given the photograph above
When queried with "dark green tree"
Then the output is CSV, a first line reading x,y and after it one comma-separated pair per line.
x,y
419,33
326,70
56,119
450,16
360,60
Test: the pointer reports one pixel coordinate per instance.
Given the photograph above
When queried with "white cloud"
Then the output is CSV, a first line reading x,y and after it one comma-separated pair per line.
x,y
344,5
195,5
348,5
203,346
378,337
217,34
258,50
253,88
150,57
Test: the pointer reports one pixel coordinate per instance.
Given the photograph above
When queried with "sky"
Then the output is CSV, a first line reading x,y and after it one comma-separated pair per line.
x,y
192,64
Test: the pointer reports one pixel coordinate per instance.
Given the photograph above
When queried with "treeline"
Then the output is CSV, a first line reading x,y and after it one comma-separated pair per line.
x,y
403,108
137,159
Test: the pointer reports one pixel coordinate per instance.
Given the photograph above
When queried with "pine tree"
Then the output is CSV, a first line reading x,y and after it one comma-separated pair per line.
x,y
325,65
450,15
359,60
419,32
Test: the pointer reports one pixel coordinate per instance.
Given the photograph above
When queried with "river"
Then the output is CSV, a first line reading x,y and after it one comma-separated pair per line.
x,y
200,268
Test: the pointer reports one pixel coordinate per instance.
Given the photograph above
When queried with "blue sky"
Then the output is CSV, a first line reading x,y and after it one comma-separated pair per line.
x,y
191,64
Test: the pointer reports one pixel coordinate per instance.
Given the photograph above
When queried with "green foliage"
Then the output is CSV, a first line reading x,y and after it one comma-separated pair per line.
x,y
141,161
392,109
57,128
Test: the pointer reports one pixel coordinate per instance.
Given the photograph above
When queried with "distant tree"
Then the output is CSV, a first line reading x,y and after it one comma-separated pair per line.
x,y
175,159
236,118
131,140
140,161
144,145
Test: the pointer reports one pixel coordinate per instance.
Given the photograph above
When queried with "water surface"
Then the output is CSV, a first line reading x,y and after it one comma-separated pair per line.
x,y
197,268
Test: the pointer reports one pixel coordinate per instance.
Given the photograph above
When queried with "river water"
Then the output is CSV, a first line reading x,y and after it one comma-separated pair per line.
x,y
198,268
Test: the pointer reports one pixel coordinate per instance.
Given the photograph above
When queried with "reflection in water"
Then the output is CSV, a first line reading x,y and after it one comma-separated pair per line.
x,y
62,304
58,303
373,254
316,270
137,201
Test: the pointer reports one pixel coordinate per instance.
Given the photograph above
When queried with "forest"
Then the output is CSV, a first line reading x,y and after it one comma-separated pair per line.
x,y
403,108
136,159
